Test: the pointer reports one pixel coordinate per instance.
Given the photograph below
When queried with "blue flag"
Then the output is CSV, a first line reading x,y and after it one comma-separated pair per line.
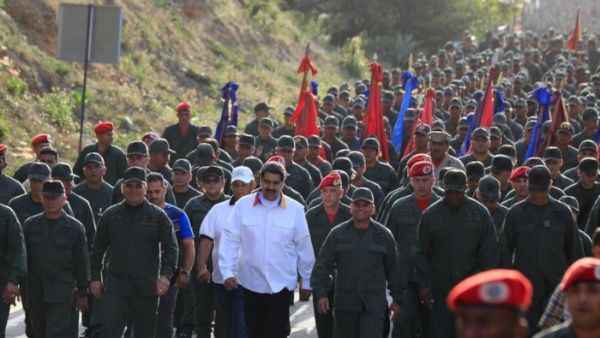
x,y
544,97
410,82
473,120
229,94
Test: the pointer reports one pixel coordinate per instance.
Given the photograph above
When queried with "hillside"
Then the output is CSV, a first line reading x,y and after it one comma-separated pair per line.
x,y
171,50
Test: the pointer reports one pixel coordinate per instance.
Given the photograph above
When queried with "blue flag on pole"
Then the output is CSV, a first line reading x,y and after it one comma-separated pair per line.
x,y
544,97
410,82
229,112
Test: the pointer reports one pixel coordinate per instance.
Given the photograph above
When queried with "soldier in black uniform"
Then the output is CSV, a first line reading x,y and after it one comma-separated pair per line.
x,y
264,142
488,193
93,188
262,111
330,137
245,149
288,127
182,176
314,155
554,161
181,136
587,148
160,154
300,158
480,146
590,124
587,188
298,178
9,187
378,171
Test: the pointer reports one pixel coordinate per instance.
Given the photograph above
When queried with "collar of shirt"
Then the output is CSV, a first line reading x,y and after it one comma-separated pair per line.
x,y
259,199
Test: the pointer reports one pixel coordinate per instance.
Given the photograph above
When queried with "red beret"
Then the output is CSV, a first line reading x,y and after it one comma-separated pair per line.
x,y
104,127
183,106
331,180
3,149
584,270
151,135
421,168
499,287
417,158
277,159
40,138
520,172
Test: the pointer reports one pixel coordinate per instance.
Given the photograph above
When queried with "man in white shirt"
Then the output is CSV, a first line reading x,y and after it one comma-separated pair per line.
x,y
229,302
268,235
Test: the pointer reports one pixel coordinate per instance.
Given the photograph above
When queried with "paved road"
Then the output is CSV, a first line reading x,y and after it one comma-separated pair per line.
x,y
301,315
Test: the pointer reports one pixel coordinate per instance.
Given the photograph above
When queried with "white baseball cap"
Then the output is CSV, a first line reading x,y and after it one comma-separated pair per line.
x,y
243,174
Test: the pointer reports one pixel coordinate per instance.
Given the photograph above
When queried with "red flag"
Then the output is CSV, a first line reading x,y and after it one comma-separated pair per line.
x,y
426,118
558,117
306,115
488,106
575,35
373,118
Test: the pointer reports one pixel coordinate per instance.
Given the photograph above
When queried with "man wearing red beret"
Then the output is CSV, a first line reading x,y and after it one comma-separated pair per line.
x,y
38,142
518,180
182,135
581,283
402,221
9,187
491,304
114,158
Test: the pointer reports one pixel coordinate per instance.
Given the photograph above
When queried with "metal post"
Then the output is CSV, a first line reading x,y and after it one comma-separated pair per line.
x,y
86,61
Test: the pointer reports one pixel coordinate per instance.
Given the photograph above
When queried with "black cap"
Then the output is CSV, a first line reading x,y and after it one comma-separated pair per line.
x,y
587,145
230,130
349,122
266,122
481,132
495,132
134,174
289,110
204,131
246,139
137,148
286,142
589,166
552,153
507,150
329,99
254,163
423,129
362,194
489,189
161,146
182,164
475,170
501,163
539,179
213,171
589,113
357,158
370,142
331,122
204,154
314,141
455,180
39,171
93,157
566,126
533,161
53,189
261,106
344,164
571,201
63,171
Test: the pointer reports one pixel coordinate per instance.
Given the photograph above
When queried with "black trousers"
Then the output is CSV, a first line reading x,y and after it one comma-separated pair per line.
x,y
267,315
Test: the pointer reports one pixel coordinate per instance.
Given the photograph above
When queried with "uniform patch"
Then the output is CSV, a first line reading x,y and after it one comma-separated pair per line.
x,y
494,293
426,170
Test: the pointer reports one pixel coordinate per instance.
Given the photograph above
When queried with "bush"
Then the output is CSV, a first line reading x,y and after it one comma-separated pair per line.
x,y
60,108
16,86
353,57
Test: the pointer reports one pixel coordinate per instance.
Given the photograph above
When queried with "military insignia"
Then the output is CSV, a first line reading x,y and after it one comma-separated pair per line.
x,y
597,272
337,181
494,293
427,170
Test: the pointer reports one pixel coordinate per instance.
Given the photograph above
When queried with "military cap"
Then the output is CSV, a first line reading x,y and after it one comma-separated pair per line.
x,y
589,166
463,123
49,151
520,172
332,90
587,145
489,189
333,179
204,153
438,126
498,288
360,87
246,139
53,189
422,129
590,113
357,158
583,270
204,131
182,164
301,142
314,141
370,142
442,173
552,153
330,99
448,71
161,146
439,136
134,174
595,78
471,104
349,122
474,170
530,124
39,171
396,70
213,171
435,72
533,161
507,150
539,179
559,74
344,94
417,158
267,123
574,100
409,115
183,106
230,130
499,120
388,96
571,201
104,127
254,163
455,103
481,132
344,164
286,142
520,102
495,132
501,163
565,127
455,180
40,138
331,122
421,168
63,171
93,157
358,103
137,148
342,153
362,194
261,106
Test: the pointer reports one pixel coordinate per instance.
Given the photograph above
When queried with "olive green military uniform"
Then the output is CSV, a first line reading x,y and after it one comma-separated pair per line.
x,y
319,227
9,188
265,148
142,247
25,207
315,173
544,241
452,244
397,194
384,175
57,259
569,156
299,179
585,197
13,257
182,144
82,211
402,220
99,199
114,159
363,262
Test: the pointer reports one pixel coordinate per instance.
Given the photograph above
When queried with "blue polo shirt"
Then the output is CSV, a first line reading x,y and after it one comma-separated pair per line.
x,y
181,222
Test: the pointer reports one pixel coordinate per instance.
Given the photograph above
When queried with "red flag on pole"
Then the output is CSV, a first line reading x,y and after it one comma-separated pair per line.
x,y
558,117
426,118
488,105
575,35
306,115
373,118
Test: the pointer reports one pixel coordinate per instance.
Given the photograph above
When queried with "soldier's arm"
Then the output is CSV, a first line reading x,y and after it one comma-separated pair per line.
x,y
489,254
421,252
593,217
506,240
81,261
168,244
323,268
395,273
391,221
573,246
99,247
15,250
89,225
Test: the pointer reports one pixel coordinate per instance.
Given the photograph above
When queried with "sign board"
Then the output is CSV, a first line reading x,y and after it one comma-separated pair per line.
x,y
105,23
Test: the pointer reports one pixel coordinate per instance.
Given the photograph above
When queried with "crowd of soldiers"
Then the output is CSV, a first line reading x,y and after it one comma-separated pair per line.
x,y
186,234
